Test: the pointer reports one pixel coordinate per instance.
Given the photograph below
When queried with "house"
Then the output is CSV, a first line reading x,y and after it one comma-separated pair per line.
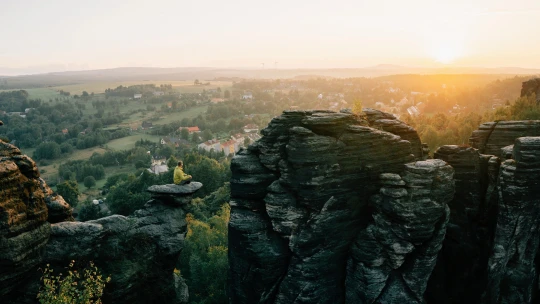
x,y
27,110
159,165
247,95
210,145
230,147
158,168
191,130
413,111
137,96
169,105
65,131
251,128
158,93
147,125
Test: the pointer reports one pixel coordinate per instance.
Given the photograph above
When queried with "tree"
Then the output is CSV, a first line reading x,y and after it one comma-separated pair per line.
x,y
47,150
196,82
205,257
357,106
184,133
89,181
207,135
69,190
227,94
89,211
195,137
139,164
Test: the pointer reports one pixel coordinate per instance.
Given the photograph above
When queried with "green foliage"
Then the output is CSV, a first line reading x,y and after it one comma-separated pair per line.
x,y
47,150
88,211
69,190
205,208
204,260
89,181
81,169
83,286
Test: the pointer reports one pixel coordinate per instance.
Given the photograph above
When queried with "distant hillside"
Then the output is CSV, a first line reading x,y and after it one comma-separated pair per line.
x,y
209,73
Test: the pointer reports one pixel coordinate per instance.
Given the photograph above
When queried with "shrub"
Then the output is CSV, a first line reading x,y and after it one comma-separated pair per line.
x,y
77,287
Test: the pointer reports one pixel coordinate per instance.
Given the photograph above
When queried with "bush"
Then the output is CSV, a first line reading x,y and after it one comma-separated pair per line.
x,y
78,287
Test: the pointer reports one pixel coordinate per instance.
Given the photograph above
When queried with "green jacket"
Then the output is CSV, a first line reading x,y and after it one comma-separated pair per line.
x,y
179,175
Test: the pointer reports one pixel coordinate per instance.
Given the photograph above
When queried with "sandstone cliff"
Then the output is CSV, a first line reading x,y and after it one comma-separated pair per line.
x,y
337,208
332,208
139,252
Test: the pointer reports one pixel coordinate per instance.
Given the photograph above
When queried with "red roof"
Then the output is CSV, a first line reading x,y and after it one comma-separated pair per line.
x,y
190,129
229,143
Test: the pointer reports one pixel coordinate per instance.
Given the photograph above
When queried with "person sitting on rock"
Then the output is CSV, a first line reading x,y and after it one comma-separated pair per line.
x,y
180,178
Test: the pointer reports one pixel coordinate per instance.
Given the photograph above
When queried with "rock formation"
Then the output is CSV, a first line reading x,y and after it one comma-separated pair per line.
x,y
491,137
24,230
139,252
337,208
332,208
513,265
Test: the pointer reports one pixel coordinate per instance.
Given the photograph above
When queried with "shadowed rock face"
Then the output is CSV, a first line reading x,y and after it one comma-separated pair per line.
x,y
327,209
491,137
513,265
139,252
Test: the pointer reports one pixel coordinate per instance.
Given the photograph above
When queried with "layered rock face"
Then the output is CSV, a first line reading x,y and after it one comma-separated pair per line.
x,y
24,229
335,208
513,265
461,267
491,137
332,208
139,252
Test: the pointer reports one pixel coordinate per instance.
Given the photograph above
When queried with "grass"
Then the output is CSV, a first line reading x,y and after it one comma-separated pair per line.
x,y
190,113
126,143
40,93
50,171
183,86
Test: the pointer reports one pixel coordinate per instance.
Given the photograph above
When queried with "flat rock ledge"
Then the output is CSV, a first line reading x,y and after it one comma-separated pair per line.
x,y
172,193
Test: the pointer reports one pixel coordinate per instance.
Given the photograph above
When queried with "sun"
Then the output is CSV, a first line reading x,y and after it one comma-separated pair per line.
x,y
446,45
446,54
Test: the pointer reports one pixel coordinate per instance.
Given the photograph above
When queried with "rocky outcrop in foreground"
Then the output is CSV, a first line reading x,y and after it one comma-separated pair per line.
x,y
332,208
336,208
139,252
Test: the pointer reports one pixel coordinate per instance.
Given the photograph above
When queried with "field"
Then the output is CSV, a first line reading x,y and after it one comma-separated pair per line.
x,y
128,142
49,171
183,86
40,93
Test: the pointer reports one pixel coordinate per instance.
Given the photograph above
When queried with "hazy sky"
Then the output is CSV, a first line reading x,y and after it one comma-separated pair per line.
x,y
77,34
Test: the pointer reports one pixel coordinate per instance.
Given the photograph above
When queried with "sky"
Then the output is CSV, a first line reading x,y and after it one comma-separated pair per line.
x,y
56,35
